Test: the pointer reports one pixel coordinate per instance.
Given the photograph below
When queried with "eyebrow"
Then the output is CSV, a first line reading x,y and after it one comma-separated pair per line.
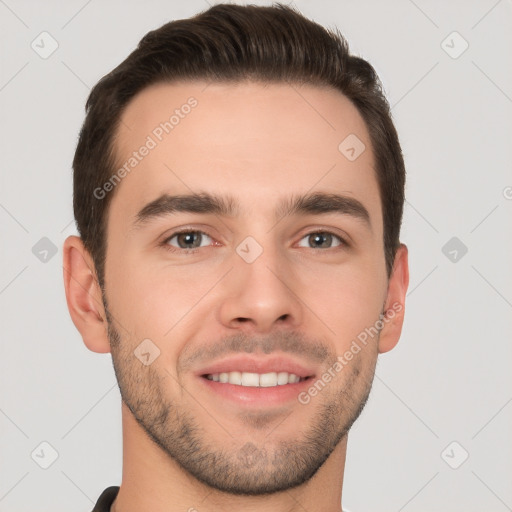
x,y
227,206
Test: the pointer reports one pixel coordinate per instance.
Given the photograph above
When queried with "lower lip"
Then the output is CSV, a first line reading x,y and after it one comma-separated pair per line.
x,y
257,396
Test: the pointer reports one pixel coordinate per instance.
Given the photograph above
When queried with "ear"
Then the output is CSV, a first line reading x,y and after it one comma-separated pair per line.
x,y
394,309
83,295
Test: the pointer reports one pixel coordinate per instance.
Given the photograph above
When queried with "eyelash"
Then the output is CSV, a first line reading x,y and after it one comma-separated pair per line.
x,y
166,246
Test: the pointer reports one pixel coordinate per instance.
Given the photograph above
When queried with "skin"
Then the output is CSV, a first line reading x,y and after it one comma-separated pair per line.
x,y
185,447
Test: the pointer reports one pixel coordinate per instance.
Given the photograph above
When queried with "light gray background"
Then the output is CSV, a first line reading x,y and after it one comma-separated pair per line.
x,y
448,379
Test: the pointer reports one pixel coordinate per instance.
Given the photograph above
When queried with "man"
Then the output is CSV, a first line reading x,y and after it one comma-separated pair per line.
x,y
238,190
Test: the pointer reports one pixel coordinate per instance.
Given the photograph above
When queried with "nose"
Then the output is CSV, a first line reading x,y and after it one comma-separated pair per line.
x,y
262,295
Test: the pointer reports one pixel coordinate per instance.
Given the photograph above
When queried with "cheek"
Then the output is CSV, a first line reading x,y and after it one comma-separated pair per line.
x,y
157,300
348,299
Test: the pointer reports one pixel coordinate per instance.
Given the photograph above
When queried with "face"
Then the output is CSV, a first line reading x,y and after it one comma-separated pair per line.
x,y
219,304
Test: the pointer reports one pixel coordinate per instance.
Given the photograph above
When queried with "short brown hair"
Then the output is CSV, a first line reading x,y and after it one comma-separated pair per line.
x,y
232,43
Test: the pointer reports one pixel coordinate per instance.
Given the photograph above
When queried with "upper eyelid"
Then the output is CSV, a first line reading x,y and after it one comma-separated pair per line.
x,y
187,230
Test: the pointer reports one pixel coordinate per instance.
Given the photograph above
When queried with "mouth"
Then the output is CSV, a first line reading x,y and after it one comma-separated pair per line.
x,y
256,382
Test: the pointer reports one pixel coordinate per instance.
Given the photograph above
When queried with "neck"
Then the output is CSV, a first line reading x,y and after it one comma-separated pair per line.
x,y
153,481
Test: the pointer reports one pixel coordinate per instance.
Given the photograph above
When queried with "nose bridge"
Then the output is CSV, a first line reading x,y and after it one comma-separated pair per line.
x,y
260,289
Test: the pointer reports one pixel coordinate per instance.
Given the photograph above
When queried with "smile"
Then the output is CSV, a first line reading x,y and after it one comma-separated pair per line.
x,y
249,379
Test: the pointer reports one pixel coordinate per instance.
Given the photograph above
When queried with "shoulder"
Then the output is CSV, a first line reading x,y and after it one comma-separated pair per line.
x,y
106,499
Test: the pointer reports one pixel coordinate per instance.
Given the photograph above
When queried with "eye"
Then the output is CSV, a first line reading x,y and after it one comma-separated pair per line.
x,y
323,240
186,240
191,240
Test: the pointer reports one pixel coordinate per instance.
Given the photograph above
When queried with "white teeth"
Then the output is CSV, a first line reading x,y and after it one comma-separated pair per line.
x,y
295,378
282,378
250,379
268,379
234,378
255,379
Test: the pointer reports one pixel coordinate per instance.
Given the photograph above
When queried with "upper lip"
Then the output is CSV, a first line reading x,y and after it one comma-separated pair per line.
x,y
244,363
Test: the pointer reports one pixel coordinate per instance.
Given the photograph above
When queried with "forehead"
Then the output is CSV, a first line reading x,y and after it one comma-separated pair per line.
x,y
257,141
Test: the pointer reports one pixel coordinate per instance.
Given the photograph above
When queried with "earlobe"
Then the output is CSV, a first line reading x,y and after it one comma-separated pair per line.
x,y
83,295
394,309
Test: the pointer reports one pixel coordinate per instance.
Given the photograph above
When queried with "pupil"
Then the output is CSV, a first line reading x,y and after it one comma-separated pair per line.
x,y
186,238
318,237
